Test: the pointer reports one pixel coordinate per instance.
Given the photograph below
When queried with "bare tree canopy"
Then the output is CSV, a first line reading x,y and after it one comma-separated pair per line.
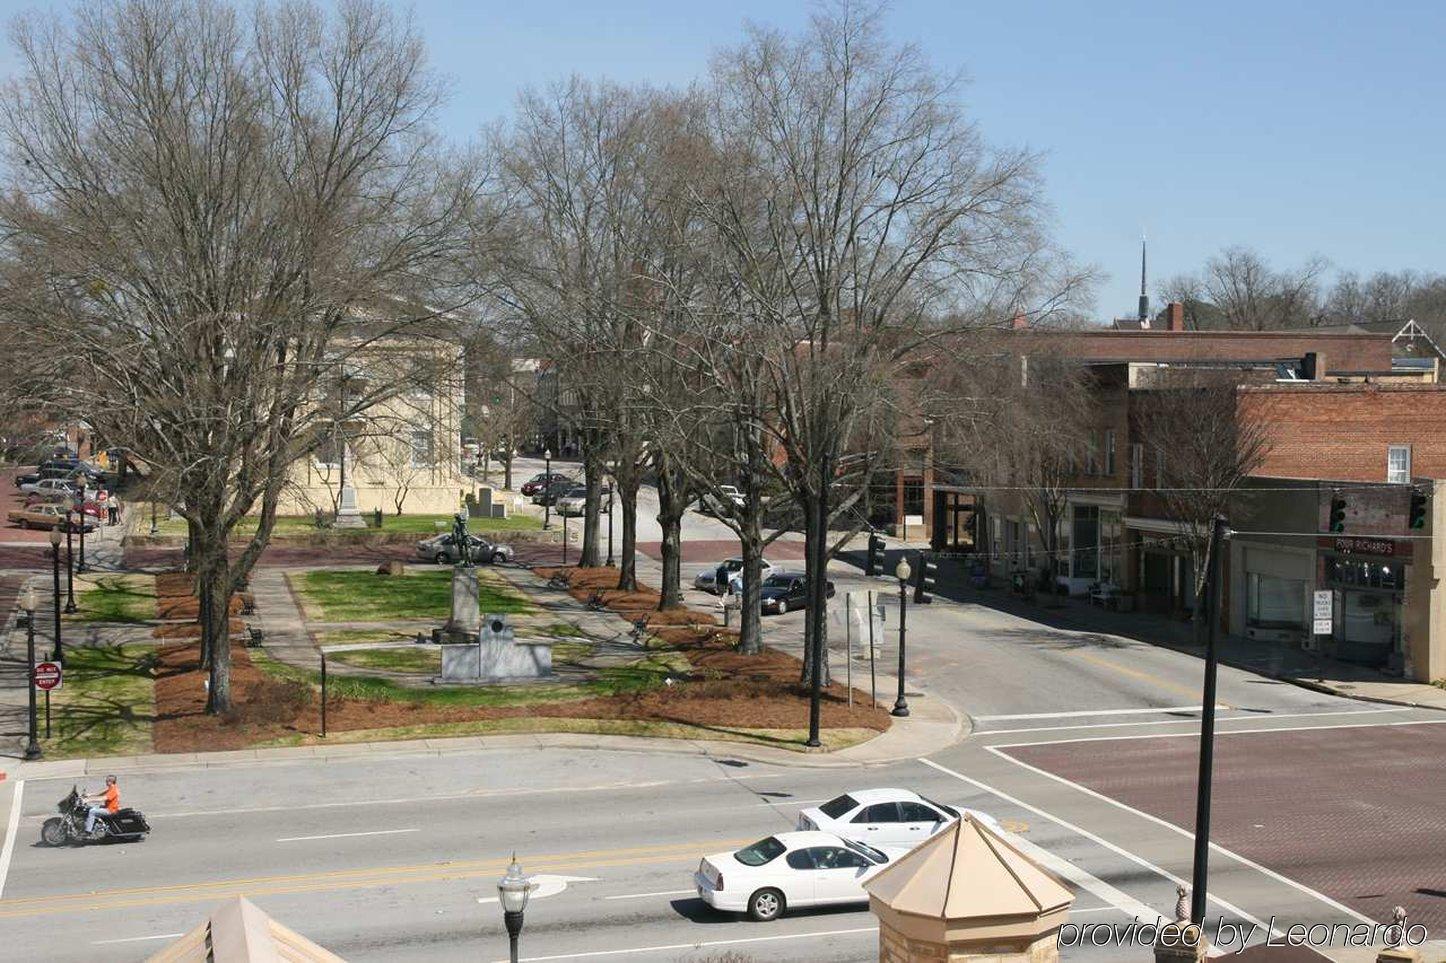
x,y
209,211
1239,290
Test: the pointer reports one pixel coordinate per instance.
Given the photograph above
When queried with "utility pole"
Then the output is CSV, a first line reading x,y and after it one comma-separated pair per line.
x,y
1200,876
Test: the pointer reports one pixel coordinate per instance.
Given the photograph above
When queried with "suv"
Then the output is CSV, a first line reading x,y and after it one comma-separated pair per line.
x,y
552,491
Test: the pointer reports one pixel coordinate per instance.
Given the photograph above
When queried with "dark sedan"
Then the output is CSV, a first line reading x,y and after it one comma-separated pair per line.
x,y
540,481
786,591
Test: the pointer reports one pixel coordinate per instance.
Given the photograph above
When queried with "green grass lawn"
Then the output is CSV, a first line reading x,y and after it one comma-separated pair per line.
x,y
306,525
418,659
362,596
106,705
116,598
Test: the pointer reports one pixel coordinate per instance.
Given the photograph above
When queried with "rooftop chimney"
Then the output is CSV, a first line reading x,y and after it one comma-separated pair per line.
x,y
1019,321
1173,316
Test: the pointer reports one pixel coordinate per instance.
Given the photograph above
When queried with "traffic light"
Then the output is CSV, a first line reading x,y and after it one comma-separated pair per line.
x,y
1417,516
924,579
875,563
1338,514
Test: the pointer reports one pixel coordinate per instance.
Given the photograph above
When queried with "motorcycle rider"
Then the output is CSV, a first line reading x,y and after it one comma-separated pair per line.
x,y
109,801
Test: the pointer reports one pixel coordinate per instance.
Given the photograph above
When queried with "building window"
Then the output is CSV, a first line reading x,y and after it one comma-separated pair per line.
x,y
1092,454
913,496
328,452
1275,603
1398,464
423,454
1109,451
1085,548
1137,465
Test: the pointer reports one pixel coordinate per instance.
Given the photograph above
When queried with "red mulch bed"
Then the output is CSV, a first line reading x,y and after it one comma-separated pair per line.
x,y
726,690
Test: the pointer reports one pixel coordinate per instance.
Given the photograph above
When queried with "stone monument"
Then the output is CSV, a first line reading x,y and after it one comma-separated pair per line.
x,y
466,615
967,894
496,655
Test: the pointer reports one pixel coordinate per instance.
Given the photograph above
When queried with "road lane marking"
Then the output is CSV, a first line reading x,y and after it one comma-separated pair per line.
x,y
1221,732
666,892
1088,712
1156,680
1253,717
375,832
10,827
701,944
139,939
545,885
1301,887
354,878
1099,841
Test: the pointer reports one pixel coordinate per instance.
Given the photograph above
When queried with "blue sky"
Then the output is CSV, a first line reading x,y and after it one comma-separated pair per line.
x,y
1296,128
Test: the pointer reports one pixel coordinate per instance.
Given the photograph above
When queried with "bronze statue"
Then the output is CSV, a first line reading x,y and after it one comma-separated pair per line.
x,y
462,540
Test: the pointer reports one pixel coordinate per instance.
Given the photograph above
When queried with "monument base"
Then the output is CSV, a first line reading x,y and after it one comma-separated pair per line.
x,y
347,514
466,617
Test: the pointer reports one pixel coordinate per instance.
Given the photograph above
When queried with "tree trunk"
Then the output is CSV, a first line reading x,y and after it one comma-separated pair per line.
x,y
213,587
750,614
672,503
815,625
593,469
627,496
507,467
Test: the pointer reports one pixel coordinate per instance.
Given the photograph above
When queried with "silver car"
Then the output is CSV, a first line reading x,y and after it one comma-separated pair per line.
x,y
442,549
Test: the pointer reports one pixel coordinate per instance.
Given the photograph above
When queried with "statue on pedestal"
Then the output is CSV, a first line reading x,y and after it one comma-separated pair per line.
x,y
462,540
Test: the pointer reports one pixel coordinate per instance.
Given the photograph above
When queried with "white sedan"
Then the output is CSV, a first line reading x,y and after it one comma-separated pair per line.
x,y
707,580
885,817
789,870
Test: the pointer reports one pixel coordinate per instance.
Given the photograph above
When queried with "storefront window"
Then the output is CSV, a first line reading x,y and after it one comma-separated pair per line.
x,y
1086,541
1389,576
1275,603
1111,551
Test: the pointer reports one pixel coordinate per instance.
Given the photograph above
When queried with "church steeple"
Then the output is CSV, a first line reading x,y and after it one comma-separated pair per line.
x,y
1144,298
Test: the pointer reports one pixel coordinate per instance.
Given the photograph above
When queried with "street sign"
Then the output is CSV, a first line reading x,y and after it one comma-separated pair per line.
x,y
47,676
1323,616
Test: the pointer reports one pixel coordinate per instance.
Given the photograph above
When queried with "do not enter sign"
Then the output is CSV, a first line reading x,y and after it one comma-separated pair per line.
x,y
47,676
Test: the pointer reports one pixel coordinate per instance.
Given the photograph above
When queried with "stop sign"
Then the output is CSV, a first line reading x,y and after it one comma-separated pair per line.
x,y
47,676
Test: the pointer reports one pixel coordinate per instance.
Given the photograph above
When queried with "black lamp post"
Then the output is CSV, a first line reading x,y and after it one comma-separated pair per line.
x,y
1199,878
513,891
69,568
80,566
547,489
59,654
610,523
155,529
902,572
27,602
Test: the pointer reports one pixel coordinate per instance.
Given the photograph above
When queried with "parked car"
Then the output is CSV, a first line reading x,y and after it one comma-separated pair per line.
x,y
574,502
713,504
552,491
885,817
51,485
65,500
732,570
442,549
789,870
785,591
540,481
48,516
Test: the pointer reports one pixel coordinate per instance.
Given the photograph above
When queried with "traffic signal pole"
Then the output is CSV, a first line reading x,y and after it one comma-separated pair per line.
x,y
1200,875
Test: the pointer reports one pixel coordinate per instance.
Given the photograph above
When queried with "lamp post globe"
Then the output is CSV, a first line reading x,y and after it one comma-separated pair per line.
x,y
512,892
902,572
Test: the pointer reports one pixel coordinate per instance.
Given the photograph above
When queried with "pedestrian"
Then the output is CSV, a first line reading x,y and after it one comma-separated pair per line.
x,y
112,506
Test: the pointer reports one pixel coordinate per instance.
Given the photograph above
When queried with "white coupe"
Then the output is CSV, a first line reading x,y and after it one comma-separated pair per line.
x,y
885,817
789,870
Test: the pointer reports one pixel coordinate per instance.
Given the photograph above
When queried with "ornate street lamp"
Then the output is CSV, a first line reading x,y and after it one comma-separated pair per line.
x,y
69,568
513,891
902,573
59,654
80,567
27,602
547,489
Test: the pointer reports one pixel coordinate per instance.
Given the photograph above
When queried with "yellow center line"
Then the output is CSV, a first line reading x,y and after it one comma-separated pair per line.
x,y
1190,691
349,879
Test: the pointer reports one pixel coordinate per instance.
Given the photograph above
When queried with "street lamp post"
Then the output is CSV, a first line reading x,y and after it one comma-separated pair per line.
x,y
80,566
902,572
610,523
69,568
155,529
1201,870
547,489
58,655
27,602
513,891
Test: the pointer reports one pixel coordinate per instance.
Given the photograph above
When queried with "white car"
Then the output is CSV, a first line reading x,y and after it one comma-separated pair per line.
x,y
713,504
789,870
885,817
707,580
574,502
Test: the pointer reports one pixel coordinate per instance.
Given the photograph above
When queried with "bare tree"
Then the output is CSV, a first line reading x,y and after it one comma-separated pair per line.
x,y
209,210
1206,446
1239,290
859,209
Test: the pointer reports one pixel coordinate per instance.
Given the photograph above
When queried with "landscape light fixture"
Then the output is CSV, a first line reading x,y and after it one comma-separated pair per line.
x,y
513,891
902,572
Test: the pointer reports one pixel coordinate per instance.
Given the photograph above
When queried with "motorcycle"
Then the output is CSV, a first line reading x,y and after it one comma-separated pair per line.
x,y
125,825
